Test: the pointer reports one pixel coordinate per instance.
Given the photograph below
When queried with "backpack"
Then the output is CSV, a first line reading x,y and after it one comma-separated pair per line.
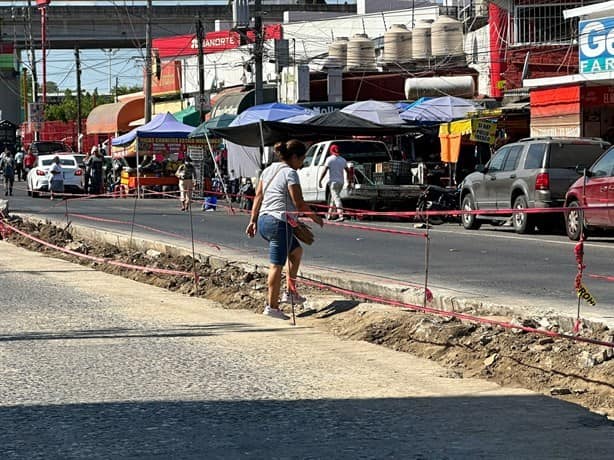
x,y
8,167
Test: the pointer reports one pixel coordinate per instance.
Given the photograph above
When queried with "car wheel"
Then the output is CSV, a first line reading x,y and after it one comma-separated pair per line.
x,y
469,220
523,222
574,221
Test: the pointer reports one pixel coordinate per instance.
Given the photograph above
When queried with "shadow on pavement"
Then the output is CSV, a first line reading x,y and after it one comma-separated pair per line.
x,y
513,427
115,333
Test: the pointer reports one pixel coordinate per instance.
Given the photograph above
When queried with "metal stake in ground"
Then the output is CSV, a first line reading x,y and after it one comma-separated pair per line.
x,y
193,250
426,262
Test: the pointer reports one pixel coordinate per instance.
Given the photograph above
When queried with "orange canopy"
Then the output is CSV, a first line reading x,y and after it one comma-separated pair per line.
x,y
115,118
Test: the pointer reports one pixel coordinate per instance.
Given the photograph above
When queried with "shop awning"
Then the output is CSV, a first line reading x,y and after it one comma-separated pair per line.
x,y
189,116
115,117
234,103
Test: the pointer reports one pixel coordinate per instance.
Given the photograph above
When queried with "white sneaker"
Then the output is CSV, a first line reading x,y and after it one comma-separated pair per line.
x,y
292,297
274,313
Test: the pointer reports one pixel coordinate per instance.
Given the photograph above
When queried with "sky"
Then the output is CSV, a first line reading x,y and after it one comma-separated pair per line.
x,y
126,64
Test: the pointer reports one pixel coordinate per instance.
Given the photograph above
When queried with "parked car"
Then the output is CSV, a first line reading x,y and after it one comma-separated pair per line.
x,y
532,173
48,147
594,189
38,177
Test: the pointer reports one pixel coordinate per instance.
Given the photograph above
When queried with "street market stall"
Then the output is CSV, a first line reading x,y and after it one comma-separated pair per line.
x,y
156,149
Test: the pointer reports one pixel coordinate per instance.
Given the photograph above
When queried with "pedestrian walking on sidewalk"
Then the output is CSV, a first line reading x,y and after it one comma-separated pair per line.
x,y
19,170
278,198
7,166
334,165
28,162
56,178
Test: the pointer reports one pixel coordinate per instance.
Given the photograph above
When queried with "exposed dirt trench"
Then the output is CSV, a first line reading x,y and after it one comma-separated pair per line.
x,y
576,372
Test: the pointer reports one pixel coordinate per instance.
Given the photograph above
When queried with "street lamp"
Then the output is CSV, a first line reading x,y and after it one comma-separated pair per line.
x,y
110,52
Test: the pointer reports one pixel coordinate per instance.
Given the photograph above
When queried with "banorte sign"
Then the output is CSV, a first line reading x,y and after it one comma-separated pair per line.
x,y
214,42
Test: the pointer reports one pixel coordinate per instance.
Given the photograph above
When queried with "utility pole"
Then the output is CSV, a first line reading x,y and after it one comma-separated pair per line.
x,y
258,51
200,33
147,88
42,8
32,65
78,66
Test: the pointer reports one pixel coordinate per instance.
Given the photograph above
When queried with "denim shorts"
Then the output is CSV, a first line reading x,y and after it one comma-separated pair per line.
x,y
280,237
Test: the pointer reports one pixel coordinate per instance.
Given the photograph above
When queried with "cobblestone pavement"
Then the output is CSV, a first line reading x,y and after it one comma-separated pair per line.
x,y
95,366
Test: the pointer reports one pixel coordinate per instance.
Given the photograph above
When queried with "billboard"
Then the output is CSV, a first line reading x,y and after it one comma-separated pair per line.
x,y
596,45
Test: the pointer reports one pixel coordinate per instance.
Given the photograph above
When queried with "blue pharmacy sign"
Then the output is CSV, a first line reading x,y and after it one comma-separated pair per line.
x,y
596,45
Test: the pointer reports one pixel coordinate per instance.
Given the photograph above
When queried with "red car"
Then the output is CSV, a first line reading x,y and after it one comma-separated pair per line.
x,y
594,189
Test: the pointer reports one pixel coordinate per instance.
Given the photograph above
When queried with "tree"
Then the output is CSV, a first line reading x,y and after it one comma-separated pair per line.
x,y
52,87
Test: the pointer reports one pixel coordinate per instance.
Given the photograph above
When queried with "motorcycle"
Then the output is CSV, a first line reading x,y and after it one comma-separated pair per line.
x,y
435,198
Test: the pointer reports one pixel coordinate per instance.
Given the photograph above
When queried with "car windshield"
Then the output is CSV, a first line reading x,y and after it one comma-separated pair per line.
x,y
63,162
570,155
363,152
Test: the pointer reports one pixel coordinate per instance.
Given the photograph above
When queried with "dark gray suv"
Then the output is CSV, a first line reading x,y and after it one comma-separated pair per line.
x,y
530,173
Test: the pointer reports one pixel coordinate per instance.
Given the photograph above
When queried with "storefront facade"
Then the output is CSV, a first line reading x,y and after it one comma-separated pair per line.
x,y
582,104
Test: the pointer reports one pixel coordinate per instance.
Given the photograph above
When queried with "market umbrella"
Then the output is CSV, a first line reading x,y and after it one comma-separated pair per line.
x,y
302,118
189,116
403,106
221,121
440,110
273,111
382,113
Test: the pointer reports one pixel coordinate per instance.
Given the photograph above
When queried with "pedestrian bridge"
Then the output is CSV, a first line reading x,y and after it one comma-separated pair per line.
x,y
120,25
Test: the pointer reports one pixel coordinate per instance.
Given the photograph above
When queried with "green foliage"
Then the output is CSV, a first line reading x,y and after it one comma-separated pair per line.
x,y
66,110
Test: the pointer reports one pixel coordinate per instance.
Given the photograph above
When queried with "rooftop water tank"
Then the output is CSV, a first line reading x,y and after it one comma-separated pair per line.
x,y
361,53
458,85
447,37
397,44
337,52
421,40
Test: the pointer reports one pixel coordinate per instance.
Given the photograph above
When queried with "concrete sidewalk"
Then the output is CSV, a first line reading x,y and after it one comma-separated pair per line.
x,y
235,384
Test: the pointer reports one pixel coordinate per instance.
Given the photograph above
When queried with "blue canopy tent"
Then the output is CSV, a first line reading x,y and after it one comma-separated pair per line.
x,y
163,128
274,111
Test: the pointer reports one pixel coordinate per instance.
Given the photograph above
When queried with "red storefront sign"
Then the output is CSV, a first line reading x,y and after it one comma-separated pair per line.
x,y
547,102
598,95
170,79
215,42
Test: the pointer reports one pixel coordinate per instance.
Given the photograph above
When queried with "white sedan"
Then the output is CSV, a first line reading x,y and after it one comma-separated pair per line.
x,y
38,177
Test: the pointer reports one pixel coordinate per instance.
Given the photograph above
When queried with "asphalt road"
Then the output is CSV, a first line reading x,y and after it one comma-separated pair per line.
x,y
493,264
94,366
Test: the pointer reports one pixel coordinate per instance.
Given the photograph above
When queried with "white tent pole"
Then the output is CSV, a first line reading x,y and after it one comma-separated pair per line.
x,y
217,171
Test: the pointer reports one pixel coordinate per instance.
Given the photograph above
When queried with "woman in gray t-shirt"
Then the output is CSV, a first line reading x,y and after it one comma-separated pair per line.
x,y
278,200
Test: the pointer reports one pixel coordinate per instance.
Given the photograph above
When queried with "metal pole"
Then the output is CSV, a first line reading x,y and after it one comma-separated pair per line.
x,y
427,251
43,12
201,67
147,88
32,65
78,65
258,52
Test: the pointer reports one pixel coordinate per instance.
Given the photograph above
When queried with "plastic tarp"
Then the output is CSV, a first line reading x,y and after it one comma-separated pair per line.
x,y
161,126
244,161
327,125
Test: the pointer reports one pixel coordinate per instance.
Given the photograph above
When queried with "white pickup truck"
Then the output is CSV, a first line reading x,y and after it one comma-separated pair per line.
x,y
356,153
